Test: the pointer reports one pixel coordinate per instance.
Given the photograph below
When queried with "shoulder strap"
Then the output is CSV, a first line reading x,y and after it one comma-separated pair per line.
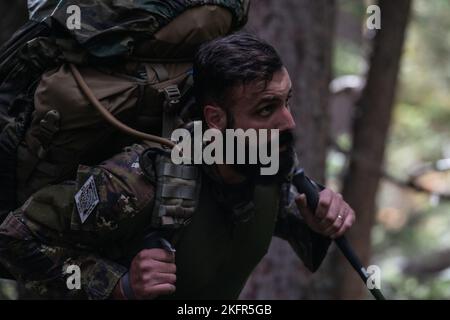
x,y
177,188
177,192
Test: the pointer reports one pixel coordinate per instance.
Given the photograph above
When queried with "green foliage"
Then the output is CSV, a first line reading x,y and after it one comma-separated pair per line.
x,y
432,21
354,7
348,59
419,133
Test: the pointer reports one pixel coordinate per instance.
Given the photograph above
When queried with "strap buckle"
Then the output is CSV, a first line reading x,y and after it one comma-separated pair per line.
x,y
173,95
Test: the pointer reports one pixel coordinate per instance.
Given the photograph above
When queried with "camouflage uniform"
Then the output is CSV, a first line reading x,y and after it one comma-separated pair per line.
x,y
114,35
104,20
216,251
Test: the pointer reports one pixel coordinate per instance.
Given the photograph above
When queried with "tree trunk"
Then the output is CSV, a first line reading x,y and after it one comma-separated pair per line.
x,y
302,32
370,131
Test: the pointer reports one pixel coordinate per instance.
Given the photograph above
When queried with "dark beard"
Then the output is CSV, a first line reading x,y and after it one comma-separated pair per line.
x,y
253,171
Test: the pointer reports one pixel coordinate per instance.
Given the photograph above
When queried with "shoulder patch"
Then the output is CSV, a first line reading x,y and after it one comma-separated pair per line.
x,y
86,199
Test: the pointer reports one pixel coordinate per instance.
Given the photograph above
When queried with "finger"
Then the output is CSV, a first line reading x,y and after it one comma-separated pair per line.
x,y
336,225
161,278
157,254
325,199
157,266
159,290
333,211
349,219
301,201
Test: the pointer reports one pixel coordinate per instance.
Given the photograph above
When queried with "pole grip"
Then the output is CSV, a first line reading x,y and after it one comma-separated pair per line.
x,y
157,239
305,186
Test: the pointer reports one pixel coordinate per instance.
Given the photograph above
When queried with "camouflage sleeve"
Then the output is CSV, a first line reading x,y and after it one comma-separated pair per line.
x,y
95,223
310,246
43,269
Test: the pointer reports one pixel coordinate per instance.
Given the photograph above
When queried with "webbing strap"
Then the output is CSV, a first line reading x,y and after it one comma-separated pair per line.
x,y
161,72
178,192
184,172
175,211
173,96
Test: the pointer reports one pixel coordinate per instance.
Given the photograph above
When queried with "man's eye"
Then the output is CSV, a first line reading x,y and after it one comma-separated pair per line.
x,y
265,111
288,101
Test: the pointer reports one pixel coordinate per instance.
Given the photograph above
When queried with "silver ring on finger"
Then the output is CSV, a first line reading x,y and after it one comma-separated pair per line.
x,y
341,218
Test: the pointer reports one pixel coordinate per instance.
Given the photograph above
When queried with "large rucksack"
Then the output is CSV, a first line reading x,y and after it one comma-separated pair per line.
x,y
135,57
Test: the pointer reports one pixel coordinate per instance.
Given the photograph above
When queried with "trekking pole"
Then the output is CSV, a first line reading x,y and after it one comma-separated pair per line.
x,y
305,186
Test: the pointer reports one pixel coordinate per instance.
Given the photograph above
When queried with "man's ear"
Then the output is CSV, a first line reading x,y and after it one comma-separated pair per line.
x,y
215,117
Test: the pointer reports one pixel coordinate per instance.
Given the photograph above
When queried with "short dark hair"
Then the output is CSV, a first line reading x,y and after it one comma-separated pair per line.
x,y
225,63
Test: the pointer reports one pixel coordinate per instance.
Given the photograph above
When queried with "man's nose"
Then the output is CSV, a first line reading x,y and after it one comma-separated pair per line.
x,y
285,120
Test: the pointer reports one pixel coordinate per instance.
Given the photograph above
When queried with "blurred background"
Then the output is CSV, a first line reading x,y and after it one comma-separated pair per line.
x,y
373,114
373,111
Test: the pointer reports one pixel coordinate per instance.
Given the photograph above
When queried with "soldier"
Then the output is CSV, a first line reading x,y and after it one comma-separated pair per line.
x,y
219,218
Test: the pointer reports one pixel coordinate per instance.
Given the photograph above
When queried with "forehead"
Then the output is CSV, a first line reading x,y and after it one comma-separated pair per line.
x,y
280,84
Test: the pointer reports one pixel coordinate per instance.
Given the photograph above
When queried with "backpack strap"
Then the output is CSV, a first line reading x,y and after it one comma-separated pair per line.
x,y
172,95
173,99
177,190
